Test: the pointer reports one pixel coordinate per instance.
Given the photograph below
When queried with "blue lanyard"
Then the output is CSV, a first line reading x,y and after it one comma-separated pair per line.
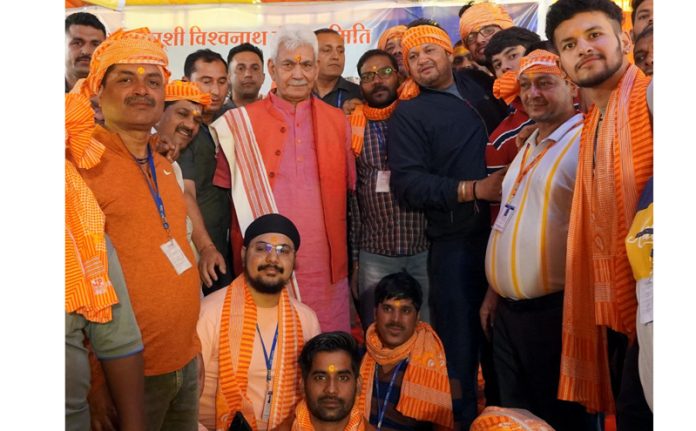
x,y
380,142
381,410
266,356
340,99
154,192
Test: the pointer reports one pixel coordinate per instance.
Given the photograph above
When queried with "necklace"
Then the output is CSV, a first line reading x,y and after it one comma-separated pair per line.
x,y
142,161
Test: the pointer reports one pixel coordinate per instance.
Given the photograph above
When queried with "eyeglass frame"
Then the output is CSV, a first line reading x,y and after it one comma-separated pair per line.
x,y
381,72
281,250
471,37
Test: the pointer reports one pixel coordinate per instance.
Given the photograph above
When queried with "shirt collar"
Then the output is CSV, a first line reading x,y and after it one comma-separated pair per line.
x,y
560,131
287,107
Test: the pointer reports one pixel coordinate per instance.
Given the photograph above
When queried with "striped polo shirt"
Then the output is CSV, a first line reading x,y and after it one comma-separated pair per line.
x,y
525,258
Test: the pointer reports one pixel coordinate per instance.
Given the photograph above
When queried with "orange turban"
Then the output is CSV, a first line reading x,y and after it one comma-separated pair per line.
x,y
417,36
481,15
460,50
392,32
540,61
183,90
137,46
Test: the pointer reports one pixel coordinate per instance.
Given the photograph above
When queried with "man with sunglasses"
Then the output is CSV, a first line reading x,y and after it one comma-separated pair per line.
x,y
478,24
255,373
386,237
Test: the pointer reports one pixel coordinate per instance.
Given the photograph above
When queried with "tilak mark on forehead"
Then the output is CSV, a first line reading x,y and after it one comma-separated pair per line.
x,y
332,368
141,70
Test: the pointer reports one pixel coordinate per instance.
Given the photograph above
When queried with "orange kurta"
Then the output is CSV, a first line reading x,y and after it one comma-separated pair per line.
x,y
166,305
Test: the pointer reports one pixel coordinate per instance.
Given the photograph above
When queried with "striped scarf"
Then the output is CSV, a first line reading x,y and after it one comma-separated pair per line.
x,y
358,121
237,332
425,390
303,422
507,87
88,290
600,290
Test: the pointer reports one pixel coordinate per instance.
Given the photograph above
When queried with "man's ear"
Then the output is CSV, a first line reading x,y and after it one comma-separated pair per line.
x,y
243,256
626,44
185,79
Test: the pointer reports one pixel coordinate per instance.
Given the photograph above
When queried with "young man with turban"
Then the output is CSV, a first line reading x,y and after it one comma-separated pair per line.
x,y
614,164
330,364
252,333
146,221
290,153
478,24
525,258
403,376
385,236
97,305
436,144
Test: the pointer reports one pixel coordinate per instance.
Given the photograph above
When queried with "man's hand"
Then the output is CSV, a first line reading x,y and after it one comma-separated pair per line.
x,y
350,104
168,150
487,311
209,259
102,411
525,133
491,187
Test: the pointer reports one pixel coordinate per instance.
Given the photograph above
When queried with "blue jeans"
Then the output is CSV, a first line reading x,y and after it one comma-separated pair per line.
x,y
373,267
458,285
171,399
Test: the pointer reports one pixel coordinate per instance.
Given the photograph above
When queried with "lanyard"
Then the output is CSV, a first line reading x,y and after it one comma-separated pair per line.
x,y
381,410
380,141
340,99
266,356
524,169
154,191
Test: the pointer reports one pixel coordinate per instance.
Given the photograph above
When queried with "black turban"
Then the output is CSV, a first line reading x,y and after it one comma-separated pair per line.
x,y
272,223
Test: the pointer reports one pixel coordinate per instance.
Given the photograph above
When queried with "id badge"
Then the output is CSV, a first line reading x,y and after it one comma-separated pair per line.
x,y
266,413
382,185
176,256
645,300
504,216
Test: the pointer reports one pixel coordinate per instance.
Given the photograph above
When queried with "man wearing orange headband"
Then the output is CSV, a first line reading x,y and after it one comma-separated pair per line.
x,y
478,24
525,258
390,41
462,57
615,163
146,221
436,144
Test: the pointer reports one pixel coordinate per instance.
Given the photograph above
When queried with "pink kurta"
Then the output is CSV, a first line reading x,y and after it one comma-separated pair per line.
x,y
298,197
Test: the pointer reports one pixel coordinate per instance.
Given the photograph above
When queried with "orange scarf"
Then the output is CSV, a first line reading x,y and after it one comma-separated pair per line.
x,y
507,87
356,422
414,37
600,290
358,121
88,290
237,332
425,390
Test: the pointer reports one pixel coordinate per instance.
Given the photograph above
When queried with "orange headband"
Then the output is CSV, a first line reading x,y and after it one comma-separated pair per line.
x,y
461,50
137,46
422,34
540,61
390,33
182,90
481,15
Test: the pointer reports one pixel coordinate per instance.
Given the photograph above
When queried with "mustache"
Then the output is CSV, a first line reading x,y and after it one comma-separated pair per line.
x,y
184,129
586,59
330,398
140,99
270,265
83,57
395,326
380,87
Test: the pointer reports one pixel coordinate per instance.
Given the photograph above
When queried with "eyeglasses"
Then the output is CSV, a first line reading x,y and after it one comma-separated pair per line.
x,y
486,32
383,73
280,249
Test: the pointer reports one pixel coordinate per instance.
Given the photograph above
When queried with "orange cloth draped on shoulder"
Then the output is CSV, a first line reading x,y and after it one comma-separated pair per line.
x,y
425,390
600,289
481,15
237,332
358,121
414,37
137,46
303,422
88,290
184,90
498,418
390,33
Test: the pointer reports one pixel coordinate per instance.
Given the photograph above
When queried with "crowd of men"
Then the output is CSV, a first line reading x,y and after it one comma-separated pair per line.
x,y
335,256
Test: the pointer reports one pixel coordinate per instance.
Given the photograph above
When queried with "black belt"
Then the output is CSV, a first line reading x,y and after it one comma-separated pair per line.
x,y
541,303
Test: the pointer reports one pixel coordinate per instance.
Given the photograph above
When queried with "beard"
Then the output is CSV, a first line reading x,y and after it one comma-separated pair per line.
x,y
263,286
372,103
325,415
608,72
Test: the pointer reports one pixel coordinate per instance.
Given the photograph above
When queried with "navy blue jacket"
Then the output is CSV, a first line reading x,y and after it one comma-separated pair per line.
x,y
436,140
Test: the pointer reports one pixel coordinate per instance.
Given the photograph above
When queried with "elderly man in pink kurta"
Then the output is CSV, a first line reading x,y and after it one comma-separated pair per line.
x,y
290,153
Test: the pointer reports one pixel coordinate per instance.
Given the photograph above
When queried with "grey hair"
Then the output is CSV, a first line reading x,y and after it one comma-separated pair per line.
x,y
292,37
